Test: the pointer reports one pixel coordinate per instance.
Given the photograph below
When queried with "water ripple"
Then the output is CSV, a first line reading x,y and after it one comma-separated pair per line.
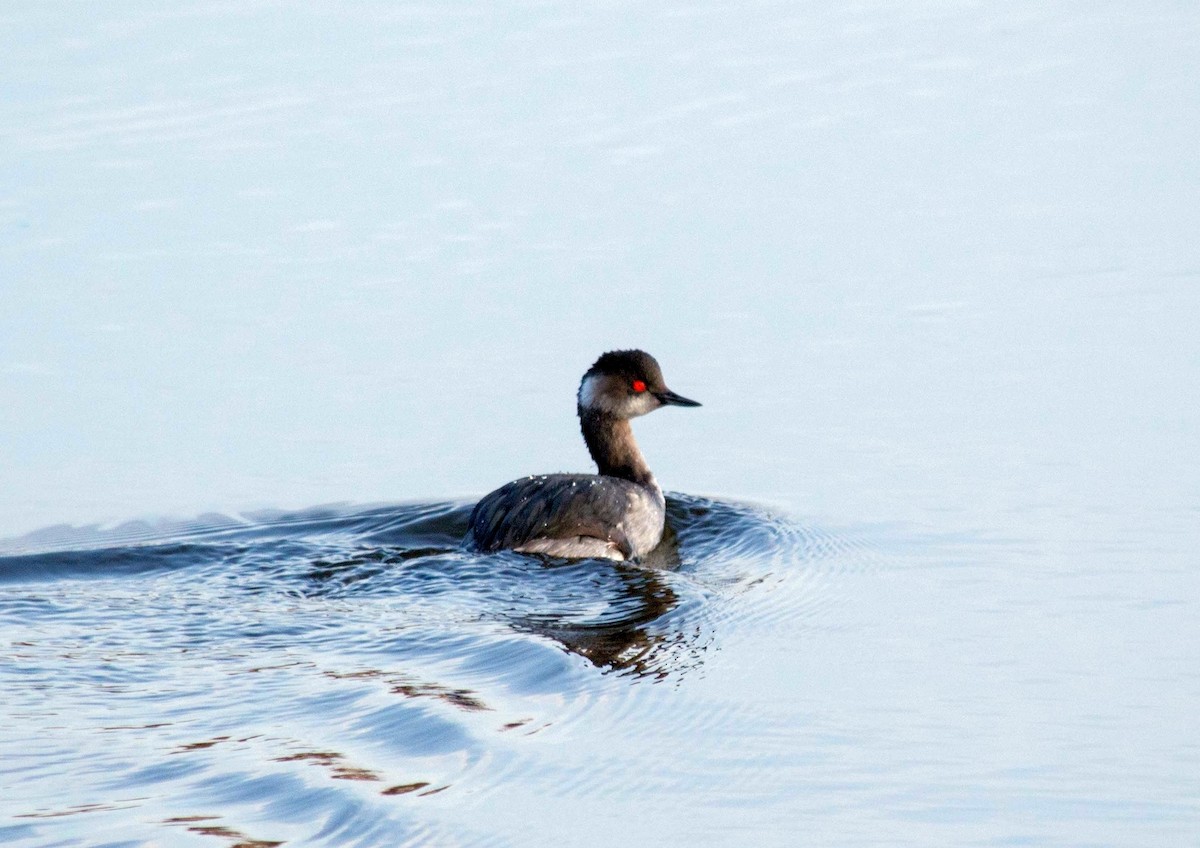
x,y
355,664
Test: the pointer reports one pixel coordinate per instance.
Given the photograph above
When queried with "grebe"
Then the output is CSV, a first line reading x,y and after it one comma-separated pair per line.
x,y
617,514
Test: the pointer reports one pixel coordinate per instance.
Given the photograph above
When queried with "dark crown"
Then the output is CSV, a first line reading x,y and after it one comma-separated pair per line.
x,y
632,364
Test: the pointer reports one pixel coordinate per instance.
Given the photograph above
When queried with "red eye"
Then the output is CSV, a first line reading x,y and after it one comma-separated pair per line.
x,y
639,386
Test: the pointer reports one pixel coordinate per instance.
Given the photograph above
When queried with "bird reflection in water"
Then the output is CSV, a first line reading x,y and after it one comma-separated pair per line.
x,y
616,615
625,639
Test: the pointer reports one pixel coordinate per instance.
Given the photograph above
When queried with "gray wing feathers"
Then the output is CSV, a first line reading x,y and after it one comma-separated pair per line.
x,y
552,506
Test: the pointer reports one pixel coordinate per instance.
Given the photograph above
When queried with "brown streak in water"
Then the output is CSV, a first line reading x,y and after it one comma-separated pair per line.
x,y
216,830
258,669
462,698
199,746
242,841
409,687
323,758
351,773
81,808
54,814
330,760
354,675
223,832
404,788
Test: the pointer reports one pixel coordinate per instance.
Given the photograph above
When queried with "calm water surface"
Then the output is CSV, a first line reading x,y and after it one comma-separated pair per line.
x,y
930,266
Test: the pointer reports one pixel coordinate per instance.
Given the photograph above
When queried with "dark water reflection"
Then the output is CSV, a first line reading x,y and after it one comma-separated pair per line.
x,y
289,658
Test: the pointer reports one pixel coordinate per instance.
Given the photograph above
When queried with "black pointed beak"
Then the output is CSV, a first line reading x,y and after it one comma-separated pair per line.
x,y
667,396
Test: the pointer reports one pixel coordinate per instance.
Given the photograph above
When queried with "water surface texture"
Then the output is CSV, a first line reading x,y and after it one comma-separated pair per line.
x,y
323,675
931,267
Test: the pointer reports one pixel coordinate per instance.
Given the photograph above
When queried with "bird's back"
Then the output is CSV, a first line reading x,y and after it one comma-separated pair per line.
x,y
570,515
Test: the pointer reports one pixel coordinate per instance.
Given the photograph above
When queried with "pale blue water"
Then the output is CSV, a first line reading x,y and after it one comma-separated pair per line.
x,y
931,268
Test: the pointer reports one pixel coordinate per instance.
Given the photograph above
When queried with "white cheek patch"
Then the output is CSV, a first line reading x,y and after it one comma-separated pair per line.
x,y
592,396
587,393
641,403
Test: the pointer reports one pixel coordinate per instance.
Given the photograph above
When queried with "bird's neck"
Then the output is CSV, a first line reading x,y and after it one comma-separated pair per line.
x,y
612,446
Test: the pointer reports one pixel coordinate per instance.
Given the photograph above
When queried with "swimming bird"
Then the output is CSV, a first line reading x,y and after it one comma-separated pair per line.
x,y
617,514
